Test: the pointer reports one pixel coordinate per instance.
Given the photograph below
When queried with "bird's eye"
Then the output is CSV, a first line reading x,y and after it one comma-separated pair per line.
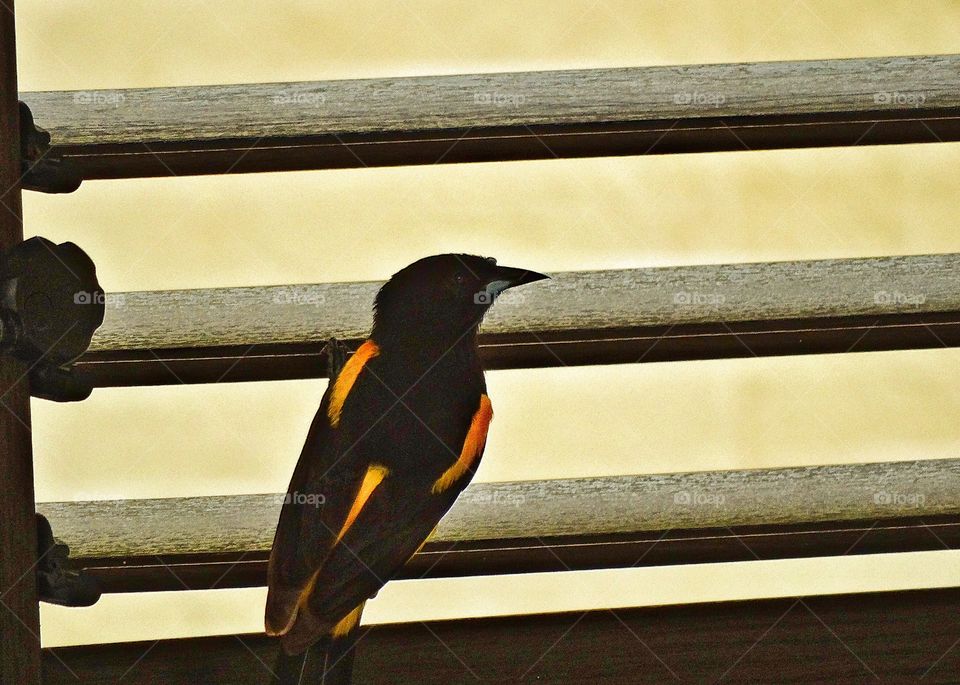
x,y
461,279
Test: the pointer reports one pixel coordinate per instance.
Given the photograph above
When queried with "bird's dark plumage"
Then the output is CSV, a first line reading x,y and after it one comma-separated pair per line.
x,y
398,435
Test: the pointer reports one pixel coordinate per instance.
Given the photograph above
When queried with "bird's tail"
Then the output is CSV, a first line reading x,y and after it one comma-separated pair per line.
x,y
327,662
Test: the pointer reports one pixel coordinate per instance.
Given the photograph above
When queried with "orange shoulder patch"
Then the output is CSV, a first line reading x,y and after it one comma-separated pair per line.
x,y
472,446
348,376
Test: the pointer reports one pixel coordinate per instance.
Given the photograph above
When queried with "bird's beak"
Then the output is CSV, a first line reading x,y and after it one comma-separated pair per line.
x,y
509,277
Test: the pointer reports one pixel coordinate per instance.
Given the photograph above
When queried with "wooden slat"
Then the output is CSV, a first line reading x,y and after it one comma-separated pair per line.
x,y
534,115
852,638
171,573
197,543
19,613
602,317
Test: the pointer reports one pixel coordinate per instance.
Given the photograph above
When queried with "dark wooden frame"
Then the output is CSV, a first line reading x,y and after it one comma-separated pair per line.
x,y
19,611
909,636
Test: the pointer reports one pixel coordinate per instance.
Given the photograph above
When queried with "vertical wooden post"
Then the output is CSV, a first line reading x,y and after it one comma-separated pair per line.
x,y
19,611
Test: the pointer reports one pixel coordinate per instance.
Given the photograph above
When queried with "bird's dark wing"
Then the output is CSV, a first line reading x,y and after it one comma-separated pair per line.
x,y
397,518
378,507
325,487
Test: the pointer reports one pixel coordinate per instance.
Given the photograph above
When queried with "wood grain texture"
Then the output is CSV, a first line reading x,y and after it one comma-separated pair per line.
x,y
490,117
208,571
19,611
548,525
622,316
853,638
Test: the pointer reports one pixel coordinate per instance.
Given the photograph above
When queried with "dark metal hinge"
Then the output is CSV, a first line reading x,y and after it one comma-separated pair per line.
x,y
50,306
57,581
40,169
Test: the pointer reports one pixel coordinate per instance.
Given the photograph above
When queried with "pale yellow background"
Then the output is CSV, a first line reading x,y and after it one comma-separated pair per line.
x,y
550,215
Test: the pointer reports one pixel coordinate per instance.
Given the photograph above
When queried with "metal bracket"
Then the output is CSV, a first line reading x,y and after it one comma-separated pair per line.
x,y
56,582
337,354
41,171
50,306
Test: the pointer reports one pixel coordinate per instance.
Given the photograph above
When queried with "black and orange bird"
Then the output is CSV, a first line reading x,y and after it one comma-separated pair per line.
x,y
398,436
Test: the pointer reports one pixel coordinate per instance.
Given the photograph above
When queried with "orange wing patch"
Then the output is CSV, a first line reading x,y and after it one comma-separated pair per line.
x,y
348,622
371,479
472,446
346,379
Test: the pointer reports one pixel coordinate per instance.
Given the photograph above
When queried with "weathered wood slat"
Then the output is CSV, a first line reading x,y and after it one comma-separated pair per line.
x,y
491,117
601,317
172,573
852,638
194,543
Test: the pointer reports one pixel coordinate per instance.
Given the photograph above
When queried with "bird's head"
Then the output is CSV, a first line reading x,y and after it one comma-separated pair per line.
x,y
442,298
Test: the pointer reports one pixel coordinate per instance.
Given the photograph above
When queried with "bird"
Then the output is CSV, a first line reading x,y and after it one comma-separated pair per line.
x,y
398,435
